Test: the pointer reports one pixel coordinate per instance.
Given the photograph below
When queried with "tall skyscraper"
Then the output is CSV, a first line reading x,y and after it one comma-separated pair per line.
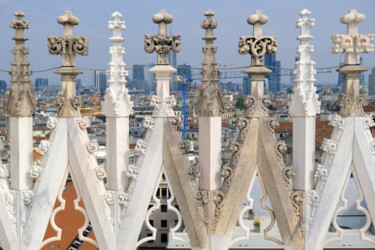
x,y
139,77
246,87
149,77
41,84
3,86
100,81
138,72
371,83
274,78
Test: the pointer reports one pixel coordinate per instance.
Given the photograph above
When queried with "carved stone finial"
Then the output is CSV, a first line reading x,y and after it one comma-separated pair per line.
x,y
257,45
352,43
304,100
68,46
19,100
210,102
257,20
117,101
162,43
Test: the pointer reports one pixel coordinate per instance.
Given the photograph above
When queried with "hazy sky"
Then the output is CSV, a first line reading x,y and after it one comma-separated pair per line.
x,y
188,15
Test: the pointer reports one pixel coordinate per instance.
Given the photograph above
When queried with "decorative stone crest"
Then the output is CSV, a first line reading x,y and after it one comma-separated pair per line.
x,y
202,197
337,121
117,101
210,102
92,146
162,43
193,172
83,123
328,146
109,197
27,196
148,122
321,172
304,100
352,43
100,172
44,146
19,100
351,105
68,46
234,147
132,171
123,198
257,45
35,171
52,122
257,106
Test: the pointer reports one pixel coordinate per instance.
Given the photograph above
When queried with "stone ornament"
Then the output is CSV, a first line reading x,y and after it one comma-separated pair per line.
x,y
162,43
352,43
68,46
257,45
304,100
19,99
351,105
117,101
210,102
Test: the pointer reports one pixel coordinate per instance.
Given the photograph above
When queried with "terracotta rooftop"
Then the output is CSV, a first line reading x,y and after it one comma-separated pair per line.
x,y
69,220
323,130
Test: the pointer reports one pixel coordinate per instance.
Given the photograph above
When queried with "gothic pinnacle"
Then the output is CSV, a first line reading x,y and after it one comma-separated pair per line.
x,y
210,102
68,46
19,100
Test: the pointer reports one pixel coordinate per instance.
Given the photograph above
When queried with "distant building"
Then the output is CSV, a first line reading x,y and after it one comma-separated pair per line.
x,y
139,77
149,77
173,62
185,71
138,72
371,83
3,86
41,85
78,86
100,81
246,86
274,78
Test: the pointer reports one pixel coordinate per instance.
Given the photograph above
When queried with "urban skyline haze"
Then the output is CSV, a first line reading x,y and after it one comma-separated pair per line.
x,y
232,24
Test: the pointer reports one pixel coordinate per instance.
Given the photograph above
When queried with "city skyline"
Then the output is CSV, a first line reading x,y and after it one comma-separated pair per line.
x,y
138,18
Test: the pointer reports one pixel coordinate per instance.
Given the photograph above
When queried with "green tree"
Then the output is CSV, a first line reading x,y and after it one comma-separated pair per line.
x,y
239,103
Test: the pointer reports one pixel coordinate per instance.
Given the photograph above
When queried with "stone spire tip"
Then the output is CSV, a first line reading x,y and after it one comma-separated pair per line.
x,y
162,16
209,13
257,17
352,17
68,19
19,14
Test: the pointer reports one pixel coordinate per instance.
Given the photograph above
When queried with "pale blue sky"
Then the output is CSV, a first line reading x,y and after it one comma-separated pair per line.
x,y
188,15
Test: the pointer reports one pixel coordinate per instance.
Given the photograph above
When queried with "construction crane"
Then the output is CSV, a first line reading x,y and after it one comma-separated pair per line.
x,y
185,85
